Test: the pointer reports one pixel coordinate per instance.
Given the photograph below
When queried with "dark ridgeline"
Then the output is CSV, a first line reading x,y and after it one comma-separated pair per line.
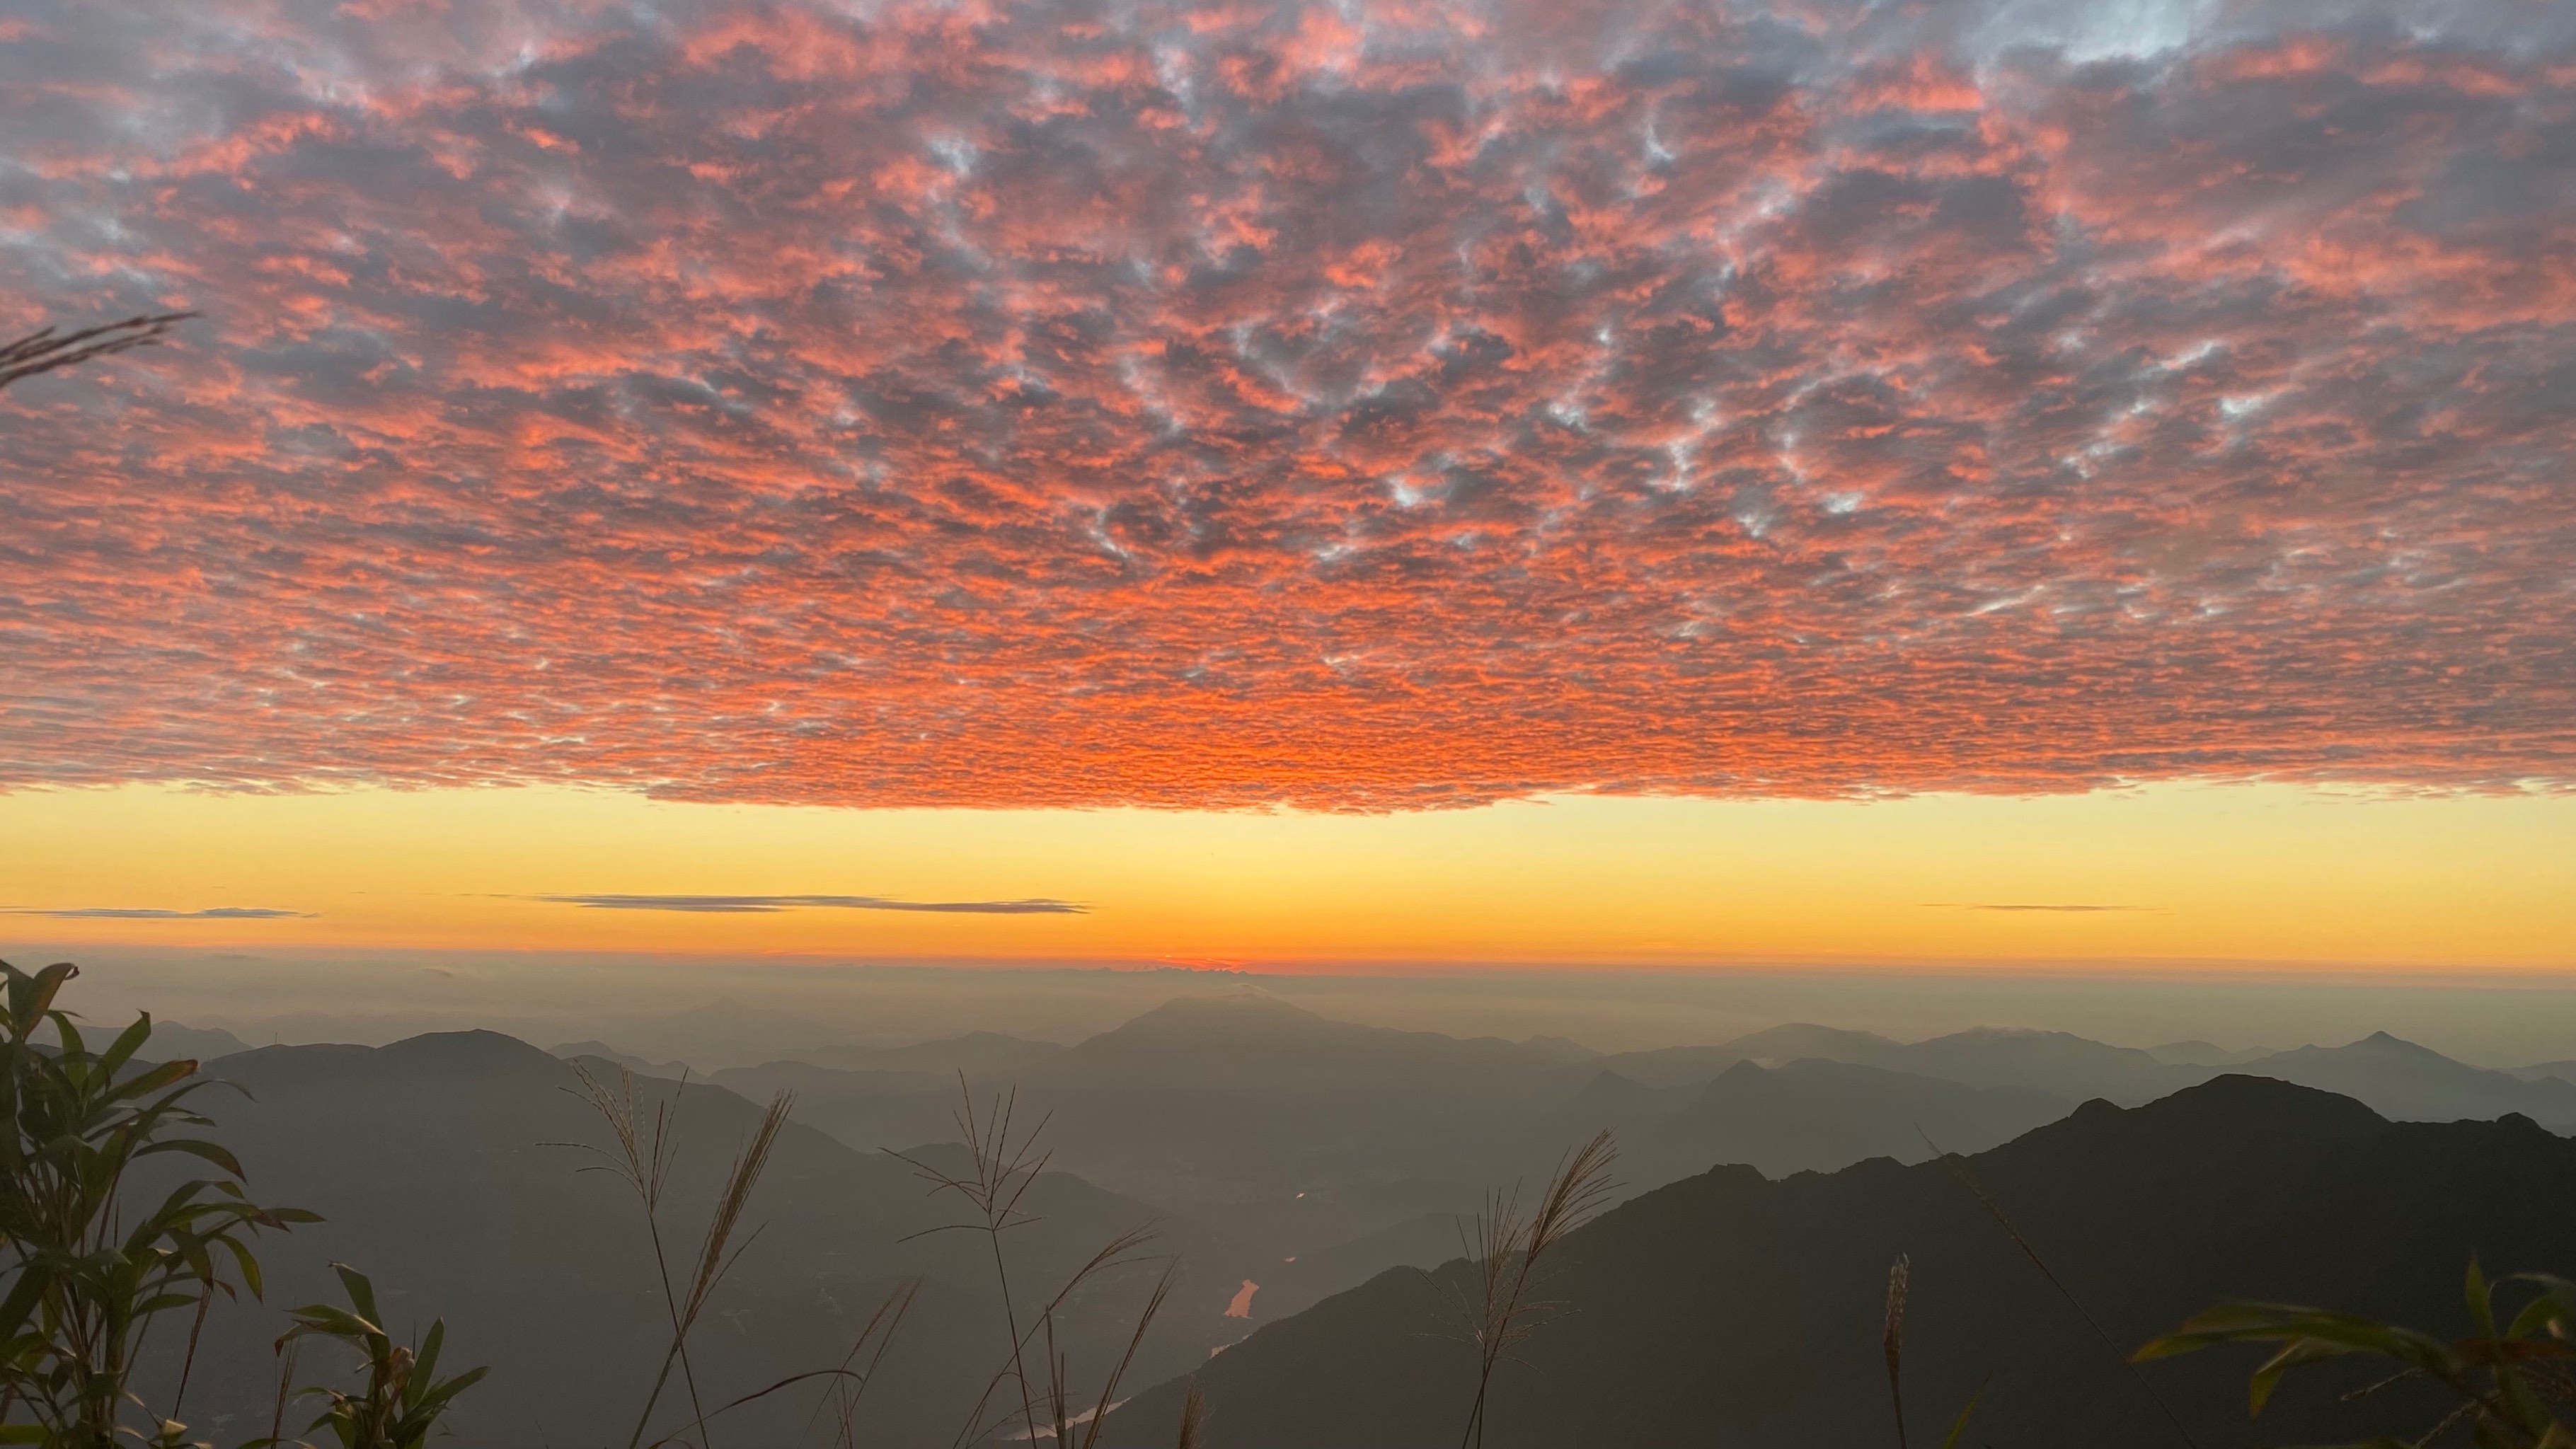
x,y
1812,1114
1730,1309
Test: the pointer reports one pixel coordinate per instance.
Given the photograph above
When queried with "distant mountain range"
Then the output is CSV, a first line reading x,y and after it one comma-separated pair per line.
x,y
1730,1309
1291,1159
1299,1132
173,1042
2394,1077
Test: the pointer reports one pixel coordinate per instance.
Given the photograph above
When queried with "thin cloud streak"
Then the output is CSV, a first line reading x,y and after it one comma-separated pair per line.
x,y
2017,906
763,905
148,913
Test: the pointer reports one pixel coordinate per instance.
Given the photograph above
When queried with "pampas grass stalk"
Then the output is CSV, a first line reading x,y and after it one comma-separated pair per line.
x,y
1509,1251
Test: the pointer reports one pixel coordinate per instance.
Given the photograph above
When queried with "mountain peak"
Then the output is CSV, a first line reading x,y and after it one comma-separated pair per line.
x,y
467,1050
1240,1004
2384,1044
2243,1093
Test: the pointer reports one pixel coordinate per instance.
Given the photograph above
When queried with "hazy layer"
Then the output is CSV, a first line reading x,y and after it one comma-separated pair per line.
x,y
716,1012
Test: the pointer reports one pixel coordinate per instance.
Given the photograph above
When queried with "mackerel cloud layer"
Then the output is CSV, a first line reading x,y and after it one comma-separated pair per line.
x,y
1049,402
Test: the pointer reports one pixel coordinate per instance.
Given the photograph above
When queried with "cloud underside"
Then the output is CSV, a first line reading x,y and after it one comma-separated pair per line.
x,y
761,905
1055,404
149,913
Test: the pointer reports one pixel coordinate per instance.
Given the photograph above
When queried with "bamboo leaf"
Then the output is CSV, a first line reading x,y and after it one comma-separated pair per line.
x,y
212,1152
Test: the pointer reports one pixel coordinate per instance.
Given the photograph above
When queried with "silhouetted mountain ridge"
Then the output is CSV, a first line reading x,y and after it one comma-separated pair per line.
x,y
1301,1131
2402,1079
1734,1309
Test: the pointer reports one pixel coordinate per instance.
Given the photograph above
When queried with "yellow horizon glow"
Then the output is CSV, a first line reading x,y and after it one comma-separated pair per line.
x,y
2240,873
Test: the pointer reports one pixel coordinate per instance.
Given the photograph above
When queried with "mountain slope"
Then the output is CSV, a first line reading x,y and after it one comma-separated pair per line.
x,y
172,1042
2397,1078
440,1166
978,1054
2055,1062
1815,1115
2204,1054
2049,1061
1797,1041
1296,1130
1248,1040
1731,1309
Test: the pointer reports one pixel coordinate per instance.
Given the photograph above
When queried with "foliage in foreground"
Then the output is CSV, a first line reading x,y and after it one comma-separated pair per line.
x,y
2512,1377
84,1277
403,1397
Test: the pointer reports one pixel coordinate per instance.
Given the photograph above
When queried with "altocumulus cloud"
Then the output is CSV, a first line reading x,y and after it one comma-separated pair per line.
x,y
738,905
1342,405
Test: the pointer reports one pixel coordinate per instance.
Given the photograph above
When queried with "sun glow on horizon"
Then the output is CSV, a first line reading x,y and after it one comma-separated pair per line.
x,y
2233,872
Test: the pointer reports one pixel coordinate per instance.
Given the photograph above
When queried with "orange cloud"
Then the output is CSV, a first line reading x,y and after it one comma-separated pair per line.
x,y
1363,408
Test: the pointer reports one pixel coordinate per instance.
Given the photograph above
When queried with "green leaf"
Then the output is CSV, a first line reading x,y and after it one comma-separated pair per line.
x,y
249,1265
31,997
425,1361
213,1152
2258,1389
1959,1425
2481,1300
362,1294
127,1043
146,1083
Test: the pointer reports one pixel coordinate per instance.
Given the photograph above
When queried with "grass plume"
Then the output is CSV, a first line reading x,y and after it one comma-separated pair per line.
x,y
644,1152
1004,1163
1508,1250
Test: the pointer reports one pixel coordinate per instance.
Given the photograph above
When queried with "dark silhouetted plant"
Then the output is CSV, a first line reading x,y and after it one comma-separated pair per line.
x,y
1892,1343
644,1148
44,350
2512,1379
403,1398
86,1273
1900,1289
642,1156
1003,1164
1507,1251
1959,1169
848,1381
1059,1373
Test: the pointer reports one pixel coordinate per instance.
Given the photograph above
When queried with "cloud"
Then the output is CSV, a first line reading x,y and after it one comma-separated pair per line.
x,y
146,913
2072,909
1350,407
751,905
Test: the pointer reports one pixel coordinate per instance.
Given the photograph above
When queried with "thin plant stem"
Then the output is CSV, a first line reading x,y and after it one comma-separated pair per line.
x,y
1959,1168
1899,1280
1509,1252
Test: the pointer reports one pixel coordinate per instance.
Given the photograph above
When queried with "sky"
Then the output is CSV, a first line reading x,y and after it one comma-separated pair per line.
x,y
1648,484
